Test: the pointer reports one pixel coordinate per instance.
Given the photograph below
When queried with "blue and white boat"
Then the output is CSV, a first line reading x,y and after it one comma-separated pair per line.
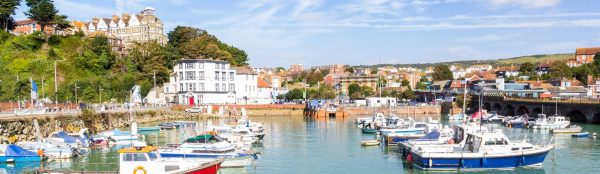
x,y
50,150
453,136
491,150
116,135
414,131
10,153
209,146
581,135
79,140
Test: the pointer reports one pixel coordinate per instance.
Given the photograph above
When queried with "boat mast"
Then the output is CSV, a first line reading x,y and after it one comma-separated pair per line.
x,y
464,99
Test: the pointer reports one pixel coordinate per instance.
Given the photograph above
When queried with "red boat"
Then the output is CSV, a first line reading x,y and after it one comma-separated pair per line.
x,y
142,159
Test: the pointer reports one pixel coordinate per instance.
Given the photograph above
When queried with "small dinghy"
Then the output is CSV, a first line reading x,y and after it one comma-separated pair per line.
x,y
580,135
369,143
369,131
155,128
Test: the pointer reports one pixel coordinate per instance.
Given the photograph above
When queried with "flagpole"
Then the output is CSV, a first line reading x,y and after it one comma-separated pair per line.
x,y
31,97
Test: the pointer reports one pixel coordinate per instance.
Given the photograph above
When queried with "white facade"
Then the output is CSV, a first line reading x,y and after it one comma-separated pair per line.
x,y
201,82
246,86
264,95
381,101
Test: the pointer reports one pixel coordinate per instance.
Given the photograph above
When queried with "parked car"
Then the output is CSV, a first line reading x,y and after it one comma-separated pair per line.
x,y
194,110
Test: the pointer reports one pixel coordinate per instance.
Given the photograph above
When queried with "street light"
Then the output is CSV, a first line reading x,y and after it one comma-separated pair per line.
x,y
100,93
76,97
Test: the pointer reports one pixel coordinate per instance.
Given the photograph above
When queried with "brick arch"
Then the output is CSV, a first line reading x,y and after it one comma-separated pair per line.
x,y
497,107
522,110
577,116
487,106
596,118
536,111
508,110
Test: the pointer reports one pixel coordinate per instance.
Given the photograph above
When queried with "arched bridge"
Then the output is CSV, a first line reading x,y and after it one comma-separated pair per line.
x,y
585,112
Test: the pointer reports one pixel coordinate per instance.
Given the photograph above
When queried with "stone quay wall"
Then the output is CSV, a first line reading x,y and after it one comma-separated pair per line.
x,y
22,129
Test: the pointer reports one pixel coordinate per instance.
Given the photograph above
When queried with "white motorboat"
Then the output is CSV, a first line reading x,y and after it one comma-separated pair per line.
x,y
210,146
551,122
115,135
489,150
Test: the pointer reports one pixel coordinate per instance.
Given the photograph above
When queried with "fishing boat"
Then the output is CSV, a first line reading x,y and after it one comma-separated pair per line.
x,y
10,153
143,158
580,135
369,143
154,128
489,150
570,129
552,122
209,146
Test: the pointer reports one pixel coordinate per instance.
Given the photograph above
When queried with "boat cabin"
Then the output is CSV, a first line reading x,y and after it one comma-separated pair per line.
x,y
140,158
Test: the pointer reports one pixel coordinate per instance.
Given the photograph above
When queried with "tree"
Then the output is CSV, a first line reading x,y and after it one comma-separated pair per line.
x,y
350,70
405,82
42,11
441,72
354,91
61,23
183,34
559,70
7,8
460,99
527,68
596,65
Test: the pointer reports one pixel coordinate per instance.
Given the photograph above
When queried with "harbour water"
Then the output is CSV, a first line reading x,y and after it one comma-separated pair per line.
x,y
295,144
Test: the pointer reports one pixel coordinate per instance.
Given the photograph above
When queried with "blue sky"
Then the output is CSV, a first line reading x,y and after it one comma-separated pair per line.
x,y
314,32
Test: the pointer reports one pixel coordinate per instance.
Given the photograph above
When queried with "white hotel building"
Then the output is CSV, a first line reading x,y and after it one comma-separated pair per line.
x,y
202,82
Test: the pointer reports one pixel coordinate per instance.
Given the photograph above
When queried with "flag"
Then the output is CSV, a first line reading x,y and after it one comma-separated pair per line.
x,y
34,89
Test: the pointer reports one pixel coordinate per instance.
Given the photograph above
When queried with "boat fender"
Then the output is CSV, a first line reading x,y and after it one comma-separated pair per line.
x,y
40,152
409,158
139,168
430,162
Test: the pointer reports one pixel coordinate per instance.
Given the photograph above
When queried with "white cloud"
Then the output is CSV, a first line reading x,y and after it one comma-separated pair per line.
x,y
81,10
525,3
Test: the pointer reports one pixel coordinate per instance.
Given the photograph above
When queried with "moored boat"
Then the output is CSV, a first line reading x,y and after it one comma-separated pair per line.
x,y
581,135
10,153
551,122
369,143
154,128
489,150
145,158
570,129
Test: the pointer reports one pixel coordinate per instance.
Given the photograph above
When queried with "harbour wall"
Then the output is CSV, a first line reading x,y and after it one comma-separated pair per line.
x,y
22,129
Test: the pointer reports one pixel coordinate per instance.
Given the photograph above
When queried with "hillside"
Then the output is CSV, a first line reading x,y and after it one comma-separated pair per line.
x,y
496,62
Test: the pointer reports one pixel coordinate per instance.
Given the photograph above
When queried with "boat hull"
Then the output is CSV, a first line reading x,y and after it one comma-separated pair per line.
x,y
211,168
513,161
369,131
17,159
397,139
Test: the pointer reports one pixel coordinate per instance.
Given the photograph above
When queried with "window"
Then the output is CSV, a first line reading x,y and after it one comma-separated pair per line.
x,y
181,87
128,157
152,156
222,66
201,86
224,87
193,87
223,76
217,87
189,66
201,65
231,87
217,75
231,76
216,66
190,75
189,85
180,75
247,77
201,75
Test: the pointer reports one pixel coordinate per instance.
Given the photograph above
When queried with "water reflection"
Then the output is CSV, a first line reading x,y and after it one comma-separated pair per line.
x,y
332,145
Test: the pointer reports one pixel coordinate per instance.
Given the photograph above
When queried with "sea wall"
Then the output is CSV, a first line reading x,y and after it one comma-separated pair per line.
x,y
22,129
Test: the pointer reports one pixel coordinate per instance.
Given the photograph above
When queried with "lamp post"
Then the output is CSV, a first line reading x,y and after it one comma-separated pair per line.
x,y
100,93
76,97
